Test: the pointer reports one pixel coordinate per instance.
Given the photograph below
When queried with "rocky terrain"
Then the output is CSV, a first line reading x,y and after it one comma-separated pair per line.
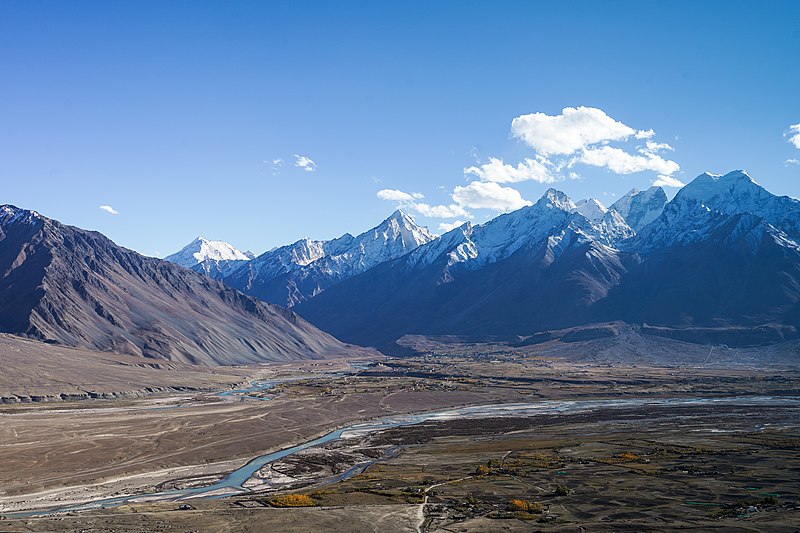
x,y
61,284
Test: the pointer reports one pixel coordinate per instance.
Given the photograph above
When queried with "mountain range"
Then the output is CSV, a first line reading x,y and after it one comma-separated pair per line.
x,y
73,287
301,270
718,263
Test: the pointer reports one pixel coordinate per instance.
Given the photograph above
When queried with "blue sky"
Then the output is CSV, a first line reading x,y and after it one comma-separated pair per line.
x,y
172,113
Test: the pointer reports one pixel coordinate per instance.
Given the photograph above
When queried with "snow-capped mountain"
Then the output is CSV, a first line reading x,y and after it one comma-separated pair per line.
x,y
293,273
639,208
736,192
722,254
522,270
215,259
591,208
710,201
546,221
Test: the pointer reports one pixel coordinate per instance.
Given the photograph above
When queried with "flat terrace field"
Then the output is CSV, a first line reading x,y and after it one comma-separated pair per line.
x,y
730,467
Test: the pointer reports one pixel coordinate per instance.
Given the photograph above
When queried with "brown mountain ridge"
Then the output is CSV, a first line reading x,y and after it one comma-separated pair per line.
x,y
74,287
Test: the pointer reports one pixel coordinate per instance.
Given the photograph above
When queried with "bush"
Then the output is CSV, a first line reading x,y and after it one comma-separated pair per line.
x,y
561,490
293,500
483,470
526,506
629,456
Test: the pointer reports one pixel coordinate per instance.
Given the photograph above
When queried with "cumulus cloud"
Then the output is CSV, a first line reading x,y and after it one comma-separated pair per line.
x,y
668,181
444,227
577,135
440,211
110,210
572,130
410,201
794,135
619,161
499,172
793,161
652,147
304,162
488,195
394,195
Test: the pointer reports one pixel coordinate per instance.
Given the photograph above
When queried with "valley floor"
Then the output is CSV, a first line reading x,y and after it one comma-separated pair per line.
x,y
729,466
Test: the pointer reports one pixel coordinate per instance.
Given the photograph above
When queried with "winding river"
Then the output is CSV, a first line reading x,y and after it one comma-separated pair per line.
x,y
233,482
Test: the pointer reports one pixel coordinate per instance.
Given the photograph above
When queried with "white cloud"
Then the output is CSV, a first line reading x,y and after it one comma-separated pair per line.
x,y
572,130
276,166
109,209
794,135
652,147
619,161
304,162
394,195
668,181
793,161
499,172
410,201
488,195
578,135
440,211
444,227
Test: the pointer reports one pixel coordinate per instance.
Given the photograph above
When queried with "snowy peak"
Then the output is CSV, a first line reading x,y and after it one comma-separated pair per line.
x,y
399,229
735,193
555,199
591,208
394,237
639,208
201,249
527,228
213,258
10,214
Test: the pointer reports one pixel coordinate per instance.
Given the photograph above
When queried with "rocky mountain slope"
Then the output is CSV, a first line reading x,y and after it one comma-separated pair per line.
x,y
65,285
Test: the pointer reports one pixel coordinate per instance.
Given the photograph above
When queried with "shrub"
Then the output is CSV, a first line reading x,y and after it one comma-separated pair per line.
x,y
561,490
293,500
483,470
526,506
629,456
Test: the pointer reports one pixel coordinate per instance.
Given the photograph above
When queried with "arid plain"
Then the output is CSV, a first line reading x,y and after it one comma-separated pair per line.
x,y
615,444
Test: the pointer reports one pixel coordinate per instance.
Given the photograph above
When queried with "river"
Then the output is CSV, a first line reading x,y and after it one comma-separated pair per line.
x,y
233,482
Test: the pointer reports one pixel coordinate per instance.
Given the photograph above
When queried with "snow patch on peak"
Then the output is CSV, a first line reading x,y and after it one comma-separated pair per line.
x,y
400,227
639,208
591,208
213,258
555,199
203,249
10,214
